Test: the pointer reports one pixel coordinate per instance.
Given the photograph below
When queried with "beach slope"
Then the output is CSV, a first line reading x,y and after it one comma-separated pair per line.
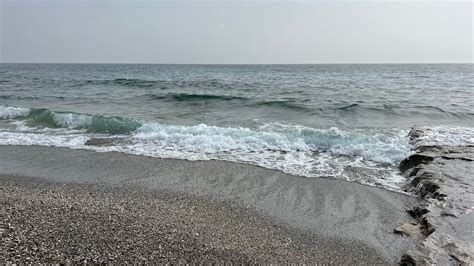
x,y
60,204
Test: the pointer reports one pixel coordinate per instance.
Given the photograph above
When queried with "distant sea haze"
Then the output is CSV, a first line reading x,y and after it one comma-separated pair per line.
x,y
339,121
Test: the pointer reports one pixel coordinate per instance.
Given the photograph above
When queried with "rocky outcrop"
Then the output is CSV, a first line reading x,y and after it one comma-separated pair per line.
x,y
444,177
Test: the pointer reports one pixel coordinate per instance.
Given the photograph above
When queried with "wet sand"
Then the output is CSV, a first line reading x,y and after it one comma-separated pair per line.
x,y
81,205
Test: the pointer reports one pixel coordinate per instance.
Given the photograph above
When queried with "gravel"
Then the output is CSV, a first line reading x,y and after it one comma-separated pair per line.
x,y
47,222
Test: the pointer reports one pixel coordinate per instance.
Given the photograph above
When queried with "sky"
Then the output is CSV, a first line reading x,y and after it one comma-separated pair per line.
x,y
236,32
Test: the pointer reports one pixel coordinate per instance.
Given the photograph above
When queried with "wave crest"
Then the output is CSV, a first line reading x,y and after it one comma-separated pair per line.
x,y
11,112
376,146
388,146
184,97
293,149
45,118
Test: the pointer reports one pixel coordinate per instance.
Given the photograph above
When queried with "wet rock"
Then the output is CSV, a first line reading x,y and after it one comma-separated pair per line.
x,y
415,133
458,253
447,213
425,228
442,175
407,260
418,212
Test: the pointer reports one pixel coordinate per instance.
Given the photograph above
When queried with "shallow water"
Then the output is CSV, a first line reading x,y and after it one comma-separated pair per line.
x,y
340,121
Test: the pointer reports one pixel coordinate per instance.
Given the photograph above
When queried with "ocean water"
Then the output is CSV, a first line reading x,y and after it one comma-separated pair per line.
x,y
345,122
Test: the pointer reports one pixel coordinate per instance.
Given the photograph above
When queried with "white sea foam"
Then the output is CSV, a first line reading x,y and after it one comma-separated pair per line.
x,y
43,139
379,146
212,139
292,149
446,135
70,120
10,112
384,146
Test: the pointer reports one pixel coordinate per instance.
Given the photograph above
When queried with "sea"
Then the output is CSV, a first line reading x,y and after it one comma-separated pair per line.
x,y
338,121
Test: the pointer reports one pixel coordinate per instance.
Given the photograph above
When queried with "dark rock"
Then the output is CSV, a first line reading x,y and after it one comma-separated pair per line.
x,y
449,214
415,133
417,212
414,160
426,228
442,175
407,260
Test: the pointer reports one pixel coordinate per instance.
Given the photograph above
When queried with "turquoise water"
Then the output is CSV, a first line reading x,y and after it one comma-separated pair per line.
x,y
340,121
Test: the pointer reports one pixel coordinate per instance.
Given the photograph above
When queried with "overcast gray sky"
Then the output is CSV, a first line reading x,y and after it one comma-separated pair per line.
x,y
236,32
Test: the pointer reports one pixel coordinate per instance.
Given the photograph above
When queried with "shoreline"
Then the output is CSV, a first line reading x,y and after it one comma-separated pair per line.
x,y
351,214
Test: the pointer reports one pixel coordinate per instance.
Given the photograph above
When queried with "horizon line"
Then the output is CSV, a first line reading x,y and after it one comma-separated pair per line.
x,y
338,63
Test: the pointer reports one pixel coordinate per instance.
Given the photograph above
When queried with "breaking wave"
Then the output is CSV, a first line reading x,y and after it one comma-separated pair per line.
x,y
379,146
294,149
10,112
383,148
45,118
388,146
